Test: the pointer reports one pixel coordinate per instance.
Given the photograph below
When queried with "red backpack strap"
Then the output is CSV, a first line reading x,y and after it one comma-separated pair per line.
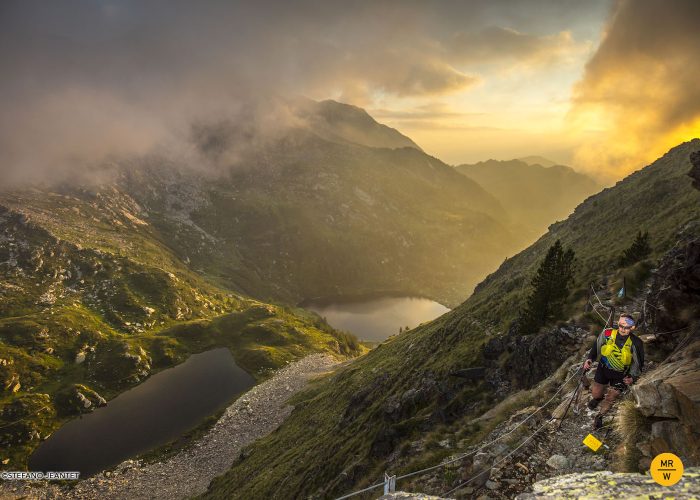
x,y
608,332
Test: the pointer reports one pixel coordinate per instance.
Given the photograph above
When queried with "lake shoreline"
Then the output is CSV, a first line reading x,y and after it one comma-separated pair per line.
x,y
188,473
164,406
365,296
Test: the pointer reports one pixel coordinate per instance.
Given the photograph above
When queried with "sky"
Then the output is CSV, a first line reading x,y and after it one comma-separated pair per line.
x,y
604,86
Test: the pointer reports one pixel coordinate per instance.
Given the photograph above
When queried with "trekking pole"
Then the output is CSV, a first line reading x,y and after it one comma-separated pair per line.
x,y
570,400
576,405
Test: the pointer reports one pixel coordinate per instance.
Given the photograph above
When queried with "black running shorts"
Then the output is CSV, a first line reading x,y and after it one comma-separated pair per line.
x,y
605,376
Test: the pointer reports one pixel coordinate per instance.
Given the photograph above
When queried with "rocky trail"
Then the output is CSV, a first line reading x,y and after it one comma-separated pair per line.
x,y
542,451
189,472
534,446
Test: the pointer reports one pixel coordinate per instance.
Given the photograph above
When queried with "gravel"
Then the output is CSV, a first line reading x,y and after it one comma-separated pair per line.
x,y
188,473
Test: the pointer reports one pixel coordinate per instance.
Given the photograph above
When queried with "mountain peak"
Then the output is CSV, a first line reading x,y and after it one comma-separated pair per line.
x,y
538,160
339,122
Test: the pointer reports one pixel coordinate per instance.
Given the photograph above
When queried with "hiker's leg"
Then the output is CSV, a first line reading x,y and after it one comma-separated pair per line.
x,y
610,398
597,390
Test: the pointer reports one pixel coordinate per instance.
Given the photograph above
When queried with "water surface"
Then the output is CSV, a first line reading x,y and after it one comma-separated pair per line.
x,y
165,406
375,319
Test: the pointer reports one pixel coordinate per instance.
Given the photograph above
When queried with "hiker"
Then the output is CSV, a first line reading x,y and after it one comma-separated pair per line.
x,y
621,360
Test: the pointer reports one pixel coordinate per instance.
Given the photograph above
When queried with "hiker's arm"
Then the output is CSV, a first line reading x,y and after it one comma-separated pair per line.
x,y
637,359
593,353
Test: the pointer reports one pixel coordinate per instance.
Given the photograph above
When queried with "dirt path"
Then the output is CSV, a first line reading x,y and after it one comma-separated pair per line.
x,y
254,415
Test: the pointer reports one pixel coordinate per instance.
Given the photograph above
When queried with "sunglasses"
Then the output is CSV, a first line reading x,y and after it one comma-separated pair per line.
x,y
624,327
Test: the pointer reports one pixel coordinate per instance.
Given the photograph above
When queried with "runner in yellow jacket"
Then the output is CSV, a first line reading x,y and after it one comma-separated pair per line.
x,y
621,359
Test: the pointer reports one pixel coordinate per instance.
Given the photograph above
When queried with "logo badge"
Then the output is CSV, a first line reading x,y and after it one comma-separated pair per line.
x,y
666,469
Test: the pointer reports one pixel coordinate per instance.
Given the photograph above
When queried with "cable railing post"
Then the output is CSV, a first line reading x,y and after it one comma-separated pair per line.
x,y
389,483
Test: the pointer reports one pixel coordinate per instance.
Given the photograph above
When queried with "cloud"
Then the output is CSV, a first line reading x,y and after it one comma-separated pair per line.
x,y
414,72
639,95
87,82
497,44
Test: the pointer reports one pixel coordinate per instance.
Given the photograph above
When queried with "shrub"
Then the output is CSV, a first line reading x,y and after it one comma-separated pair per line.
x,y
639,250
550,288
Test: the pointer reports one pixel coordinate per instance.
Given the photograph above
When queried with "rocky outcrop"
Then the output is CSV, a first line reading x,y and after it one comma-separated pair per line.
x,y
532,358
605,484
676,288
79,399
695,171
669,397
403,495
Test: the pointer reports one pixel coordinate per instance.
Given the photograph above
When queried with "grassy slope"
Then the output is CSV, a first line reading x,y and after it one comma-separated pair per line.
x,y
342,430
81,276
658,198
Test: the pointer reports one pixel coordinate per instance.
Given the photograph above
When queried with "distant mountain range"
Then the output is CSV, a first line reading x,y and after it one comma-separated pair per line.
x,y
534,194
538,160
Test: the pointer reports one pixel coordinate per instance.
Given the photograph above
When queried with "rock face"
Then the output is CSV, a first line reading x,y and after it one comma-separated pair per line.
x,y
402,495
606,484
670,398
695,171
526,365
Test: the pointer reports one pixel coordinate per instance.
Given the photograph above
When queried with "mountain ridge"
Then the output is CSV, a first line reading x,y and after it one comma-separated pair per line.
x,y
534,195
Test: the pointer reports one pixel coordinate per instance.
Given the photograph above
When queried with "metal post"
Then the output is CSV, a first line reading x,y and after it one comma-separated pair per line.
x,y
389,483
612,317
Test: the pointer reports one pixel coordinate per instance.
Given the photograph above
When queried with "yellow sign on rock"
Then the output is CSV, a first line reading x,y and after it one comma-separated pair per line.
x,y
592,442
666,469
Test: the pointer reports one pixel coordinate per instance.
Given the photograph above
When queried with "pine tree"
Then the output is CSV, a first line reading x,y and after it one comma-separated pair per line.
x,y
550,288
639,250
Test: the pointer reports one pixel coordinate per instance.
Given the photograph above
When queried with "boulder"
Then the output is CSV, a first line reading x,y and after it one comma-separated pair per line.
x,y
481,459
492,485
672,393
558,462
85,402
606,484
673,390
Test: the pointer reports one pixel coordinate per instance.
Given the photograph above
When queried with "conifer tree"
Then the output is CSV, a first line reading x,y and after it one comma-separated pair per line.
x,y
639,249
550,288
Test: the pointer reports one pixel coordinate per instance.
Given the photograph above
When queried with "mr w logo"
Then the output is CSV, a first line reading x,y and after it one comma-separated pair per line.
x,y
666,469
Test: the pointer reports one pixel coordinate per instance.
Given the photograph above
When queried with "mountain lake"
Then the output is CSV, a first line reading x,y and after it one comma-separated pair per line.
x,y
165,406
375,319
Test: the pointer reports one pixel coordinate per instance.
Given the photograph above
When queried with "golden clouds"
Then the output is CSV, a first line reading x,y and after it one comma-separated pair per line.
x,y
496,44
413,72
640,94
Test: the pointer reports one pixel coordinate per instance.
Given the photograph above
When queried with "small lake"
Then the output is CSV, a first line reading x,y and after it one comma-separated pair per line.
x,y
165,406
375,319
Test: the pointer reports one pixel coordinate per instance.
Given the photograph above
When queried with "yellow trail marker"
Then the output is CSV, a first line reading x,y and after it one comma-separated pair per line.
x,y
592,442
666,469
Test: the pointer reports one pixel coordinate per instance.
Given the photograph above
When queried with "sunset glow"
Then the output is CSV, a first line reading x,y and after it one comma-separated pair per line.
x,y
602,86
